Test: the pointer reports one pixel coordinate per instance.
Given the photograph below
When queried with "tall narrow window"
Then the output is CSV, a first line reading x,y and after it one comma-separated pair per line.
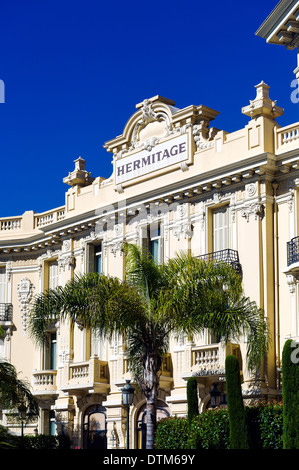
x,y
220,229
53,274
2,348
154,242
98,259
2,285
53,351
95,258
52,427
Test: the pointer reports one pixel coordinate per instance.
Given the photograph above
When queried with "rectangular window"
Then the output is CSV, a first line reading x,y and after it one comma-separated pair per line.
x,y
52,427
220,229
95,258
2,285
155,242
2,349
53,274
53,351
98,259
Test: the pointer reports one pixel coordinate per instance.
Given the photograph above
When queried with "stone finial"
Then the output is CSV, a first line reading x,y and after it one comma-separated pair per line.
x,y
262,105
78,177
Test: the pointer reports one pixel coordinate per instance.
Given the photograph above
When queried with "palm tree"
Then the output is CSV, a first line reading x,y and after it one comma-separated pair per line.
x,y
15,392
185,295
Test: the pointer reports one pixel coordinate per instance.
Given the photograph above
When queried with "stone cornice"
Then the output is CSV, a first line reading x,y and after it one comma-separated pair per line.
x,y
276,21
187,190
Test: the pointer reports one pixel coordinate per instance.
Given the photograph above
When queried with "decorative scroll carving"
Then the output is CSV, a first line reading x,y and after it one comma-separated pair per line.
x,y
69,261
291,281
118,246
203,136
183,229
149,116
258,209
25,291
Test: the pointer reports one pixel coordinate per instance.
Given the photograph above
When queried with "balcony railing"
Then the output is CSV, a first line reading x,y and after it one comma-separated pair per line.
x,y
228,256
287,137
293,251
5,312
209,360
44,382
92,374
13,223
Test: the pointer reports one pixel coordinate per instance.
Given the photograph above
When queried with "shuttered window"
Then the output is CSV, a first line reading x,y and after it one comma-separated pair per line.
x,y
220,229
53,274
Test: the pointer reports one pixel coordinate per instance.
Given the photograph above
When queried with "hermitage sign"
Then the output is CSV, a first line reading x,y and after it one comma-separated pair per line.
x,y
144,162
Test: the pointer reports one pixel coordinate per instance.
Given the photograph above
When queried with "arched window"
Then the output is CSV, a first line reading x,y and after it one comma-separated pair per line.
x,y
162,412
95,428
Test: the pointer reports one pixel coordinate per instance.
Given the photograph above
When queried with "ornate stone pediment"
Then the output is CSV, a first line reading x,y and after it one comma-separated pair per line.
x,y
154,137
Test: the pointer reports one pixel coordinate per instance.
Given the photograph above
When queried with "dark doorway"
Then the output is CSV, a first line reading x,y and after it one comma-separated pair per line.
x,y
94,428
162,412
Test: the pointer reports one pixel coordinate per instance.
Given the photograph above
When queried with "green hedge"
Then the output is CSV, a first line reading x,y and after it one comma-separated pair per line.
x,y
210,430
40,441
172,433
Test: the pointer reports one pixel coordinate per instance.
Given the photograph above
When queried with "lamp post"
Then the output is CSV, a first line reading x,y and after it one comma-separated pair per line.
x,y
22,414
215,396
128,395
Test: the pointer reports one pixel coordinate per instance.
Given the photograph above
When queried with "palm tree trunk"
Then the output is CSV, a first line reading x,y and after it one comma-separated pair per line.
x,y
149,387
150,423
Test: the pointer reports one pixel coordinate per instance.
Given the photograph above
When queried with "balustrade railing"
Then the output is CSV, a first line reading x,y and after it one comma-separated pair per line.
x,y
46,218
90,371
228,256
5,312
293,251
287,136
207,360
10,224
44,381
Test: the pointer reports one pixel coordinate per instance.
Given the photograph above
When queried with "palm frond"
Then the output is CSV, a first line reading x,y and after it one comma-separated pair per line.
x,y
14,391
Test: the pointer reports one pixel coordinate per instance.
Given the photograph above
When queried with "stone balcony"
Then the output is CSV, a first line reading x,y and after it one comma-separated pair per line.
x,y
44,383
165,374
207,363
91,375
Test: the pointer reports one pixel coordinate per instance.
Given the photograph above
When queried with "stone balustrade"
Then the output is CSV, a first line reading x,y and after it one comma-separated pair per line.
x,y
287,138
44,382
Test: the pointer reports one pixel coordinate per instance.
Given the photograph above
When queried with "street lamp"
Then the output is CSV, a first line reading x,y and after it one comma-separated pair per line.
x,y
128,395
215,396
22,414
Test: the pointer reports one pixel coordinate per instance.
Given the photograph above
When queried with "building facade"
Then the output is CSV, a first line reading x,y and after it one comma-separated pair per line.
x,y
177,183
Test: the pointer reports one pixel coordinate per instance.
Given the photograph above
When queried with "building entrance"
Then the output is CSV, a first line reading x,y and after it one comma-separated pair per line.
x,y
94,428
162,412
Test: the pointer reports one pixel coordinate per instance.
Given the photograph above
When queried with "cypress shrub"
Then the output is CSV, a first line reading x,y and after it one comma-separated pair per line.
x,y
290,394
192,399
238,427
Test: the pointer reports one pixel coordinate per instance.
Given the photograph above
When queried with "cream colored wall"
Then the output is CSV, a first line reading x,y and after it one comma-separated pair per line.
x,y
231,171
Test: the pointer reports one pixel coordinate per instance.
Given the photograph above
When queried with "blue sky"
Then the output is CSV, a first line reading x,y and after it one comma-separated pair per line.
x,y
74,70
